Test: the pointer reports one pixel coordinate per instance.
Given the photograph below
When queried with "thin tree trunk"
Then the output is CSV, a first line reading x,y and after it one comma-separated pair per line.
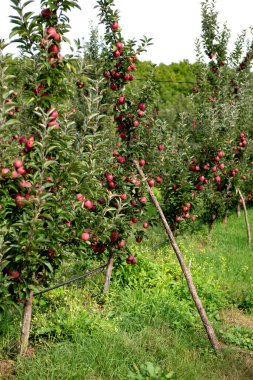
x,y
245,216
186,271
108,275
225,218
211,225
25,331
238,210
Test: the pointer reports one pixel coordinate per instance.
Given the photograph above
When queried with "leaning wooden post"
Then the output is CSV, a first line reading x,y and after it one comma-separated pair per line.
x,y
186,271
25,331
245,216
108,275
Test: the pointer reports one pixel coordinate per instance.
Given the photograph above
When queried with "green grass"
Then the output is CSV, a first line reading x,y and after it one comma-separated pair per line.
x,y
148,316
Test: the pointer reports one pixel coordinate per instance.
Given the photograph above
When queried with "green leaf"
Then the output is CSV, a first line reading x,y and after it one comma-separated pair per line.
x,y
27,3
12,122
49,266
49,81
49,163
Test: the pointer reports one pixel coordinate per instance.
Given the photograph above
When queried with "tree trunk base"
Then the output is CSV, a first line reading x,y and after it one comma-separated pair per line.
x,y
225,219
25,331
108,275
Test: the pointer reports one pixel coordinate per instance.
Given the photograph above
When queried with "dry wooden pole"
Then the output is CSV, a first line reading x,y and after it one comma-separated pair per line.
x,y
245,216
108,275
25,331
186,271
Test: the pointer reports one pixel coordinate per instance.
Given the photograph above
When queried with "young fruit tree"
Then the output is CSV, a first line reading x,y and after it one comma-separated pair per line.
x,y
137,136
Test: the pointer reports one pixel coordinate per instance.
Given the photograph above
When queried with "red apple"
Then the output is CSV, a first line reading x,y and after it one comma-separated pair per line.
x,y
5,171
38,89
115,25
51,31
121,159
151,182
130,259
85,236
53,61
14,174
54,49
134,261
114,236
79,197
57,37
88,204
141,106
21,170
18,163
53,123
109,177
119,45
54,113
116,53
121,243
159,179
46,13
14,274
111,185
221,153
113,86
121,100
19,200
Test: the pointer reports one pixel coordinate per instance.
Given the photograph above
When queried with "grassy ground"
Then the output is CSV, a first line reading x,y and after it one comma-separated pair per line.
x,y
149,319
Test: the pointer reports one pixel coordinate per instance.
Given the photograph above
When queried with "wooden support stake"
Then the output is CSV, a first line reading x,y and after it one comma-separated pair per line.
x,y
245,216
25,331
187,274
